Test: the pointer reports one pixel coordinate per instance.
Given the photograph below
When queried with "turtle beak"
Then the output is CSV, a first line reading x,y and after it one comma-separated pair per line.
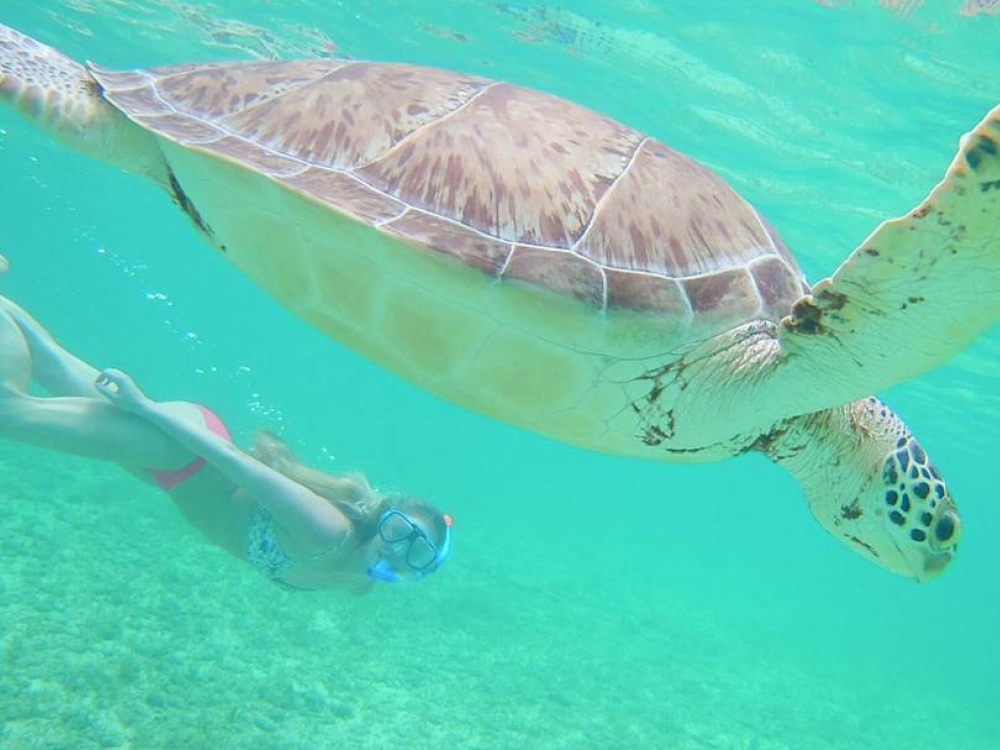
x,y
934,565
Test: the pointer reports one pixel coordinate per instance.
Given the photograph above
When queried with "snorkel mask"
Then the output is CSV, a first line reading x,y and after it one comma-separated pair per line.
x,y
422,555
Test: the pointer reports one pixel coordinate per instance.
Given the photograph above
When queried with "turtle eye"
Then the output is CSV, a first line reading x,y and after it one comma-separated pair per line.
x,y
947,530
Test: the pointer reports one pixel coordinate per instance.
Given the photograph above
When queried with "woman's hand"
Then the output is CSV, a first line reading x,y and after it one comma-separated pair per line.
x,y
121,390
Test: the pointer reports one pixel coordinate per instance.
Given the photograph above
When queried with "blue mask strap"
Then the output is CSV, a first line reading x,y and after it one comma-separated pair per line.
x,y
445,550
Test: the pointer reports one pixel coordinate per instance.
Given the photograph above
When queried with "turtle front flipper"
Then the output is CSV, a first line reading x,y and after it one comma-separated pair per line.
x,y
915,293
62,97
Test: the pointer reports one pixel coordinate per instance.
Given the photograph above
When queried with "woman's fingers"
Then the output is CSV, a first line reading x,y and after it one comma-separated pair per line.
x,y
111,381
120,389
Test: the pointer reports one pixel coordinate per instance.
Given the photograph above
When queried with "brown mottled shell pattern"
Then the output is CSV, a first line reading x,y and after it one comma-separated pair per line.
x,y
519,184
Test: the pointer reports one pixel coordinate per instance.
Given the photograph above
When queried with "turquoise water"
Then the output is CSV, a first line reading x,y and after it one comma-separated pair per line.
x,y
592,602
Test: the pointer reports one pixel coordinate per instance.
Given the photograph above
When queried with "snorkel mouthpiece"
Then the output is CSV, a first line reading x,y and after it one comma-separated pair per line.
x,y
383,571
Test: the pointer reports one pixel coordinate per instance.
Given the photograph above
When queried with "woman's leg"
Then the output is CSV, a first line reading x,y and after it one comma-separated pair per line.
x,y
80,424
57,370
15,358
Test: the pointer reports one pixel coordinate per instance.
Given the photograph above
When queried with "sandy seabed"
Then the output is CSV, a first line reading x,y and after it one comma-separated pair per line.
x,y
121,628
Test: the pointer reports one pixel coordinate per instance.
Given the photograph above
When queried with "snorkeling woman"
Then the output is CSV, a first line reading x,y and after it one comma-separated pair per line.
x,y
300,527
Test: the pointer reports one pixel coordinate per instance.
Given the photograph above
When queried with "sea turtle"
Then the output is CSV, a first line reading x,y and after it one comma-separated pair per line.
x,y
530,259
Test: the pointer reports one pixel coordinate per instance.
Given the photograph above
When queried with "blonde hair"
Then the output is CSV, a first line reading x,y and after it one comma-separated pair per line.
x,y
351,492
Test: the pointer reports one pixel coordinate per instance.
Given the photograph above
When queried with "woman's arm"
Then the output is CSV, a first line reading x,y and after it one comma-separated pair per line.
x,y
299,510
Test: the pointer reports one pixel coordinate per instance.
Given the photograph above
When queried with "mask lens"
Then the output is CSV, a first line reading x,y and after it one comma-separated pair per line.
x,y
396,528
421,553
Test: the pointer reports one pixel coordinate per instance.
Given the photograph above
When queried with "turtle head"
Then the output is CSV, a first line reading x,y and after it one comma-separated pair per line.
x,y
918,510
870,483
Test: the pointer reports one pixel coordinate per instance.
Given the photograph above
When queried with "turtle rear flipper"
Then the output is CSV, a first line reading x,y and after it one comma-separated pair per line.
x,y
61,96
914,294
